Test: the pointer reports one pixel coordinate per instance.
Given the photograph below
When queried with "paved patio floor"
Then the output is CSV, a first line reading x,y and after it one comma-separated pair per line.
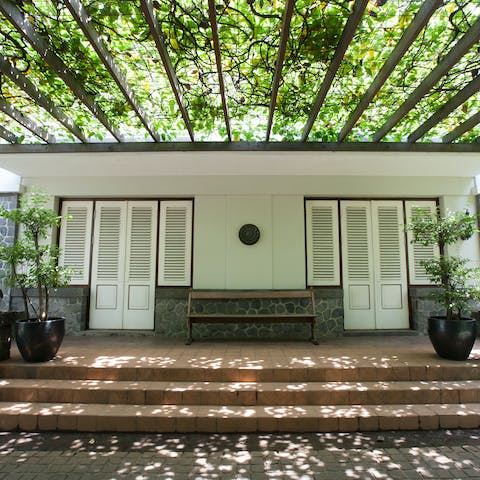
x,y
343,352
388,455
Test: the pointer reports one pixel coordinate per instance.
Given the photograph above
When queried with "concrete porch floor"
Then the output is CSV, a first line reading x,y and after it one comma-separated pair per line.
x,y
337,353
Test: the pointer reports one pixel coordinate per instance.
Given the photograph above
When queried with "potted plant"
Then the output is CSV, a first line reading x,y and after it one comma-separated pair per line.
x,y
453,334
34,269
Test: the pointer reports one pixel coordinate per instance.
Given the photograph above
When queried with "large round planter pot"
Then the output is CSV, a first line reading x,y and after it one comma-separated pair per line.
x,y
39,341
452,339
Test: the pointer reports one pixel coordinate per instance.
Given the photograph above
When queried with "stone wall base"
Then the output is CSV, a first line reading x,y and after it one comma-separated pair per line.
x,y
171,314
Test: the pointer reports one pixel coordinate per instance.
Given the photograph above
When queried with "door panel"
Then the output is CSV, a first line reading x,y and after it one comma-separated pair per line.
x,y
357,265
390,265
108,266
140,265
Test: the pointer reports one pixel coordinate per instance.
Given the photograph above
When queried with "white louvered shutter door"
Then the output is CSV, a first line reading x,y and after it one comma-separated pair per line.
x,y
416,252
140,265
108,265
357,264
390,265
323,249
75,239
175,243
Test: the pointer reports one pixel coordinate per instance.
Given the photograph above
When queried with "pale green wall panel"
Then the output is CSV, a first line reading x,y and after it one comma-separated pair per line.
x,y
249,266
288,241
469,248
209,245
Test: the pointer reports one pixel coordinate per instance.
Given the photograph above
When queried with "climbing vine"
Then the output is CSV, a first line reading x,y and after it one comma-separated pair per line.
x,y
249,36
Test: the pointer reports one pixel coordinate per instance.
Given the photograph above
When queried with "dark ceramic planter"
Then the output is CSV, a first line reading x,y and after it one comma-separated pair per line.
x,y
452,339
39,341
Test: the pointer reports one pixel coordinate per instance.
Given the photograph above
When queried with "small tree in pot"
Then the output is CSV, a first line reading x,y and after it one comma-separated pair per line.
x,y
34,268
452,335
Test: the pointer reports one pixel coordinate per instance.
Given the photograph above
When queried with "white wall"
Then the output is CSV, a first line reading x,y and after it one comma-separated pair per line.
x,y
312,185
469,248
221,260
9,182
214,179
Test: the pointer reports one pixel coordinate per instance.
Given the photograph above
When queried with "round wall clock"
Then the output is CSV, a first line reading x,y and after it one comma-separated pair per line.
x,y
249,234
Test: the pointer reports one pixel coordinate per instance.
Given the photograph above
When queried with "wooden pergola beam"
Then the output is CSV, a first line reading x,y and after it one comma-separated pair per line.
x,y
218,59
448,107
449,60
464,127
409,35
83,19
26,29
287,17
157,35
347,36
8,135
40,98
26,122
133,147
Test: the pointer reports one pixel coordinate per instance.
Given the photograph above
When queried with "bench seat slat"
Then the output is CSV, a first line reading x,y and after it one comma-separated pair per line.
x,y
293,318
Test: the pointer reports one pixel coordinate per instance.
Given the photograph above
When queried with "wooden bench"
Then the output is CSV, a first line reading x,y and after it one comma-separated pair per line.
x,y
219,295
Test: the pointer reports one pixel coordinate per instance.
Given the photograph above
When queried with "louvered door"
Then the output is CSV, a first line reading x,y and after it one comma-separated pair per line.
x,y
323,256
123,265
390,265
140,265
374,265
75,238
175,243
357,264
108,266
416,252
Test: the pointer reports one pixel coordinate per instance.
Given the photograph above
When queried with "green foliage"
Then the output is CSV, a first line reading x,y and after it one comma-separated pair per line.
x,y
34,262
249,34
458,283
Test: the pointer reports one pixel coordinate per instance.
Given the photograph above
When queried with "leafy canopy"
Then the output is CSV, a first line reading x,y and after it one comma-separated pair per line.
x,y
249,35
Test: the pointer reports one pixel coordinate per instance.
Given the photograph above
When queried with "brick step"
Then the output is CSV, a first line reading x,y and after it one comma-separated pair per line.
x,y
357,373
210,418
238,393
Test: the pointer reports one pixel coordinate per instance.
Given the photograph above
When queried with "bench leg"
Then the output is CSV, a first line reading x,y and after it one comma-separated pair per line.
x,y
189,333
313,338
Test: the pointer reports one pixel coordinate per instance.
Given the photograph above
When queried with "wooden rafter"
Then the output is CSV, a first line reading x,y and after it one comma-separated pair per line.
x,y
464,127
8,135
26,122
287,17
157,35
40,98
218,59
83,19
447,108
449,60
347,36
26,29
409,35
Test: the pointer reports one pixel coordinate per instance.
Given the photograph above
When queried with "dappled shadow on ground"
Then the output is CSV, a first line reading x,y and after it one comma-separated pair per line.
x,y
344,352
386,455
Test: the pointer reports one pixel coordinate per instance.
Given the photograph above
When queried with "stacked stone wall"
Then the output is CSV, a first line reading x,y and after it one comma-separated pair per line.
x,y
7,237
172,305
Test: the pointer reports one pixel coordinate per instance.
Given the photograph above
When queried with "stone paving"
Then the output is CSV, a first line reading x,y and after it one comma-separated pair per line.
x,y
447,454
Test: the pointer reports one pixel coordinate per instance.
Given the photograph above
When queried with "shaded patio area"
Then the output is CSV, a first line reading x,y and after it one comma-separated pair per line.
x,y
337,353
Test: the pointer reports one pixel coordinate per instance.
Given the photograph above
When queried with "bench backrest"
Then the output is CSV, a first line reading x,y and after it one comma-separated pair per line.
x,y
225,294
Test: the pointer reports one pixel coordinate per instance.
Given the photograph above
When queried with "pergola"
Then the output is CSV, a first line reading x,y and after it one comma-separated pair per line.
x,y
112,75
